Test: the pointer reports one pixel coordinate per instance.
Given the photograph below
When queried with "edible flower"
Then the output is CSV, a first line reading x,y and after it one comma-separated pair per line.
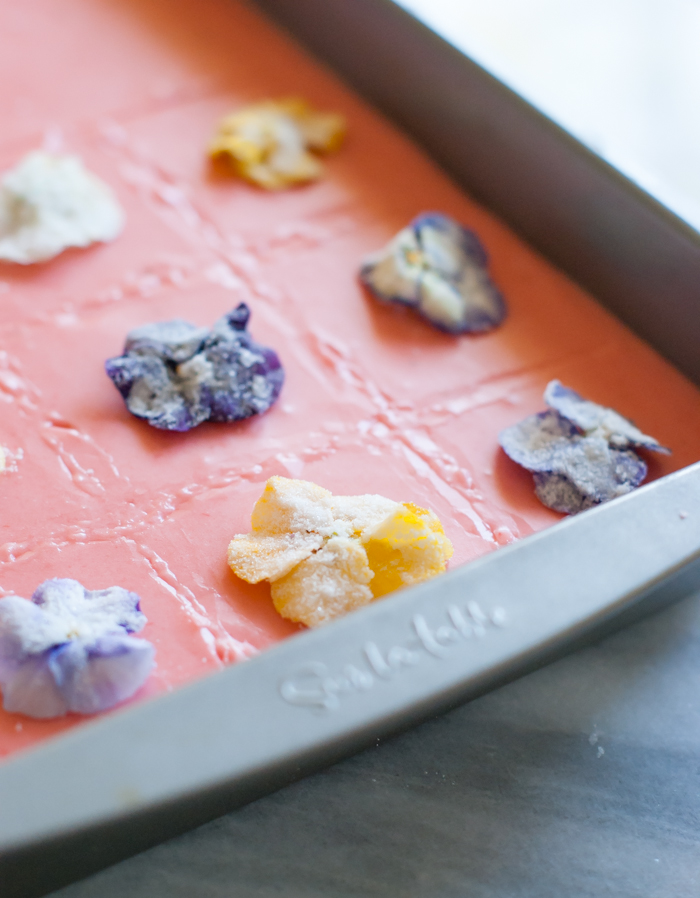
x,y
440,269
581,454
176,375
326,555
272,144
69,649
49,203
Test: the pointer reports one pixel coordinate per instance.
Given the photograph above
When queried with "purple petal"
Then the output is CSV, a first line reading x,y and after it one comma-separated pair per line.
x,y
393,274
147,384
471,247
90,613
597,420
175,340
93,677
26,630
32,690
175,375
533,443
587,473
238,318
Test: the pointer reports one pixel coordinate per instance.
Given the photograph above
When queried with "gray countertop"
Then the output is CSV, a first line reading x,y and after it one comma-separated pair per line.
x,y
582,779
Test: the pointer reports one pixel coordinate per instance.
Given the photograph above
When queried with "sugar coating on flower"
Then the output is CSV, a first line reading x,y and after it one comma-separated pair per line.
x,y
596,420
439,268
326,555
175,375
327,585
272,144
357,515
50,203
263,556
2,459
70,649
581,454
407,547
293,506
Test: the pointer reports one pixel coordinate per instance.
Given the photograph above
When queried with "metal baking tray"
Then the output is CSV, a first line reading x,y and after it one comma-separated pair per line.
x,y
127,781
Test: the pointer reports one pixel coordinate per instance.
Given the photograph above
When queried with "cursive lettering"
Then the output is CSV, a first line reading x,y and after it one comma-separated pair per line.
x,y
314,686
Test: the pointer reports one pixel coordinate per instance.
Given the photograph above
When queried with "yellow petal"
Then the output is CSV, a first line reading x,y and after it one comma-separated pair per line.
x,y
268,143
327,585
407,547
361,513
254,557
292,506
323,133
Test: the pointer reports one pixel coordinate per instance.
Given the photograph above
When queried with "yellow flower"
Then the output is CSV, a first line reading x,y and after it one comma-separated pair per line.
x,y
327,555
272,144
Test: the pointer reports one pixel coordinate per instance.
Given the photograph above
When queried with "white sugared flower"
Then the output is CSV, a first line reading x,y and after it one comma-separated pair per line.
x,y
50,203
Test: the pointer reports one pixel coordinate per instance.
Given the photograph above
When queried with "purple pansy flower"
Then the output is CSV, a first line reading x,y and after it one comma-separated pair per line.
x,y
176,375
440,269
69,649
581,454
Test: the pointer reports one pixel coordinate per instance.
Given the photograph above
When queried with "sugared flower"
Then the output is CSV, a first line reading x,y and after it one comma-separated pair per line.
x,y
581,454
70,649
326,555
176,375
49,203
440,269
275,144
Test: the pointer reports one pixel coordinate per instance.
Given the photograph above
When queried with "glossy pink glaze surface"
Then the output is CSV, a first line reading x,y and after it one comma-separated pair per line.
x,y
375,401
